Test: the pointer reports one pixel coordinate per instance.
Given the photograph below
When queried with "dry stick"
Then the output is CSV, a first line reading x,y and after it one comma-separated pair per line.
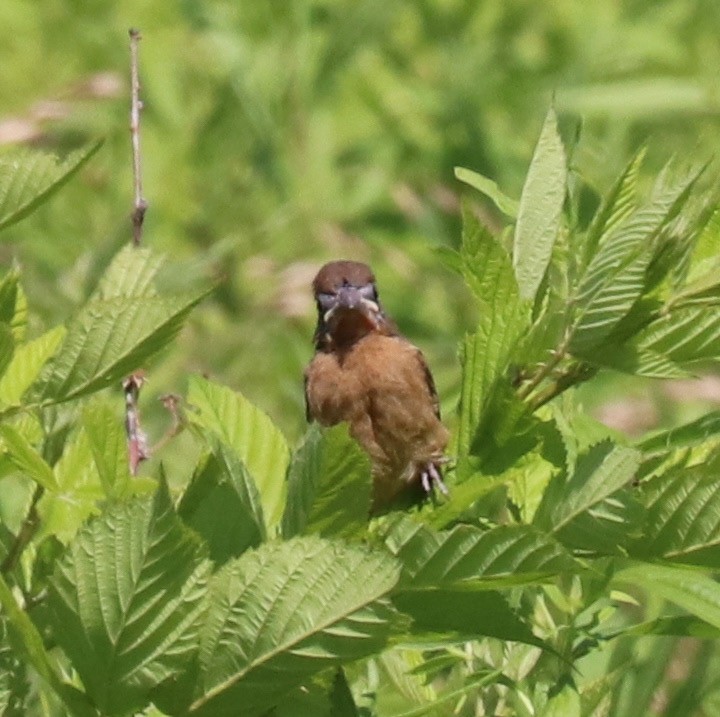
x,y
140,205
138,450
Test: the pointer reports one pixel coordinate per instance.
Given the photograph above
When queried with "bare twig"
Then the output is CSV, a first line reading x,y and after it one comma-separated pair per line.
x,y
140,205
138,450
172,403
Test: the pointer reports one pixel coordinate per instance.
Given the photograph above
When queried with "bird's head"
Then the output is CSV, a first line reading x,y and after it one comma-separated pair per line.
x,y
347,303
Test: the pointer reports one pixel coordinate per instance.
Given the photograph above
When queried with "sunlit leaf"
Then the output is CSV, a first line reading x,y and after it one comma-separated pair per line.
x,y
282,613
683,517
486,354
26,458
503,556
688,588
329,485
540,209
589,511
126,601
29,177
251,434
27,363
509,207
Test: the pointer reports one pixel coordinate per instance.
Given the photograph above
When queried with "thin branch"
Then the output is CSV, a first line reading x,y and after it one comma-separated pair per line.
x,y
138,450
173,404
140,205
24,535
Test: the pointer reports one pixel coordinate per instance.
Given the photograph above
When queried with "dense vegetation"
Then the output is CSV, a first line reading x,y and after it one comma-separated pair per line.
x,y
572,569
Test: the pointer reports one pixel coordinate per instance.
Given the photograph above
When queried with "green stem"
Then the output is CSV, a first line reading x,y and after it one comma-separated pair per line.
x,y
24,535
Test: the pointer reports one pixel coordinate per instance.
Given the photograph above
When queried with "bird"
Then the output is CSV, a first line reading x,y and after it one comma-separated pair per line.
x,y
365,373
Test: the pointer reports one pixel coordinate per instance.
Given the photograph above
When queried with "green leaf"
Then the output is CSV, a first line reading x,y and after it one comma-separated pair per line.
x,y
615,278
684,335
329,486
486,354
109,339
126,600
683,517
7,347
77,494
283,612
251,434
28,178
589,511
691,434
459,615
108,443
14,683
131,273
26,458
689,589
223,505
509,207
29,644
341,699
503,556
617,207
26,365
540,210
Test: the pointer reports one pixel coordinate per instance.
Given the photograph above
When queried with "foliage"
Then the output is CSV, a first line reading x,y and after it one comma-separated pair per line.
x,y
259,584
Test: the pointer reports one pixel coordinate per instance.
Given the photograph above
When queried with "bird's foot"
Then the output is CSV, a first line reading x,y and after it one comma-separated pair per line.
x,y
430,477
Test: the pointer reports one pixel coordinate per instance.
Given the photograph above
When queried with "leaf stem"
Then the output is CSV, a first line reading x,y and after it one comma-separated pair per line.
x,y
24,535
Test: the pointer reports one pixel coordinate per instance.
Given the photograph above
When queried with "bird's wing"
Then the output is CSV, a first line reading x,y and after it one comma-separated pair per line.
x,y
430,382
308,415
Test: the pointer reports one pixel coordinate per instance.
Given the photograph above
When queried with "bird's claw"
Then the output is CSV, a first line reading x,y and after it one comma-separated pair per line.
x,y
429,476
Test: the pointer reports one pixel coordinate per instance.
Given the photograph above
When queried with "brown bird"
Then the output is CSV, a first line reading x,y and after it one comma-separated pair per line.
x,y
365,373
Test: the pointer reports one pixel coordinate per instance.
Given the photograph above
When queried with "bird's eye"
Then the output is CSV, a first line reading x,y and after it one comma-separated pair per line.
x,y
326,301
369,292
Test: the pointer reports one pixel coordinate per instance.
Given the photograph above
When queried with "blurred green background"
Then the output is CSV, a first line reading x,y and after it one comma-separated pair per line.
x,y
279,134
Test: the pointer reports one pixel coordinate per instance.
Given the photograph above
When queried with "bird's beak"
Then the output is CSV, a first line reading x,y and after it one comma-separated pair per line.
x,y
350,299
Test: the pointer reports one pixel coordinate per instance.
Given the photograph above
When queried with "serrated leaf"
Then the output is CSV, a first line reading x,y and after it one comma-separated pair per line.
x,y
459,615
77,494
108,443
684,335
540,209
503,556
486,354
689,589
683,517
131,273
615,278
251,434
126,600
589,511
107,340
628,358
509,207
688,435
26,364
223,505
329,486
283,612
29,177
26,458
617,207
29,643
